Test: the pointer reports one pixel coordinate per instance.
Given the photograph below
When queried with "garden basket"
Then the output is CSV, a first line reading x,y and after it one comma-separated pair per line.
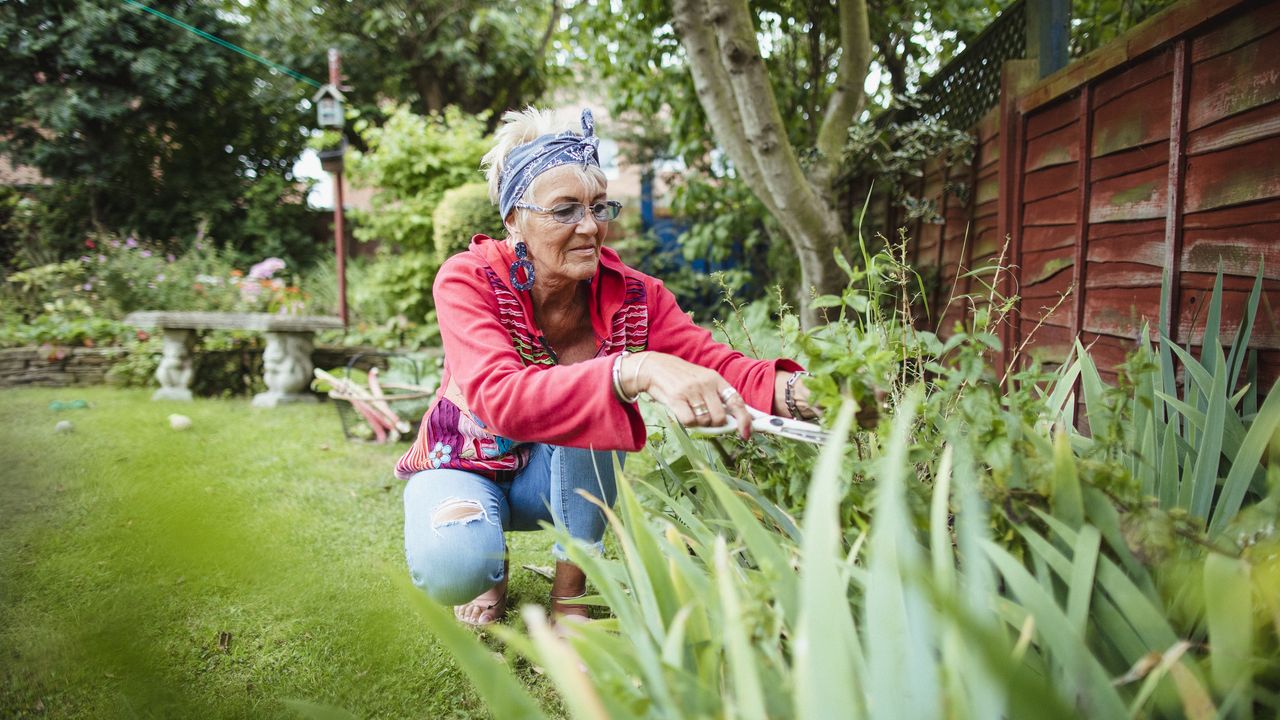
x,y
404,393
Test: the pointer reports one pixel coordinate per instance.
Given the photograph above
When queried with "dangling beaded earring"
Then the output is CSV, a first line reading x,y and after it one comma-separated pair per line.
x,y
522,263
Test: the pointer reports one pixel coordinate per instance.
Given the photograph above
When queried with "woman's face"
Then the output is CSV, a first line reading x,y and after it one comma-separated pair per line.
x,y
563,252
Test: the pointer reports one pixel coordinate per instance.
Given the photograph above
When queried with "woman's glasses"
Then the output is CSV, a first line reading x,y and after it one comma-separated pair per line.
x,y
572,213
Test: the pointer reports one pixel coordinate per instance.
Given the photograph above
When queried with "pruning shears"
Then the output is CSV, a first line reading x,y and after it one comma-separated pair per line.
x,y
766,423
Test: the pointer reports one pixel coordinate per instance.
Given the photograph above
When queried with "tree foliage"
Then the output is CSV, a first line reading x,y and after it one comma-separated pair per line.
x,y
426,54
413,160
794,49
143,126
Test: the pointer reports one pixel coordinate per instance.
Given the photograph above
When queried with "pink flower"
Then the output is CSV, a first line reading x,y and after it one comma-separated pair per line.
x,y
145,253
169,257
90,244
266,268
131,242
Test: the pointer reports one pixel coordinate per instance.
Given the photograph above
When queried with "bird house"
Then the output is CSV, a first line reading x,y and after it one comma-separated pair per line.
x,y
328,103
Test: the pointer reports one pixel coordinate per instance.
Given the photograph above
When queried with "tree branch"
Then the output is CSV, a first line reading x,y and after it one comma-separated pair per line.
x,y
848,96
548,34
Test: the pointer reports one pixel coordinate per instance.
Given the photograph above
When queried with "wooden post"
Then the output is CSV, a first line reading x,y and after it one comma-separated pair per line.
x,y
340,241
1177,169
1015,77
1082,221
1048,33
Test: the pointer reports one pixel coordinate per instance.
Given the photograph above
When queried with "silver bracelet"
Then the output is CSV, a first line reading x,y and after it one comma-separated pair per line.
x,y
789,395
617,381
635,374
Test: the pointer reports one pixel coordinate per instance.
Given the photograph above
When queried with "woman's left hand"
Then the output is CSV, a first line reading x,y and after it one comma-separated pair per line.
x,y
800,394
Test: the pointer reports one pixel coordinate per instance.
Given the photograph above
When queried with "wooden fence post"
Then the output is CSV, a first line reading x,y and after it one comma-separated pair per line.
x,y
1048,34
1015,77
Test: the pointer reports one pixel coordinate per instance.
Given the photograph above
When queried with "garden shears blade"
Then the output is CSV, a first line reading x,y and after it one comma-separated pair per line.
x,y
772,424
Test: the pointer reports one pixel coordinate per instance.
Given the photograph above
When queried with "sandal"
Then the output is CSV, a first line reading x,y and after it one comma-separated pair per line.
x,y
564,611
492,604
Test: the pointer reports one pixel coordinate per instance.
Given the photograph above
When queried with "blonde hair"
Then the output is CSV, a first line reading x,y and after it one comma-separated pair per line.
x,y
524,126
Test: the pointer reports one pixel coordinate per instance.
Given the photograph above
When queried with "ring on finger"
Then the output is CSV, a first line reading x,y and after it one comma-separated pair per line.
x,y
728,394
700,409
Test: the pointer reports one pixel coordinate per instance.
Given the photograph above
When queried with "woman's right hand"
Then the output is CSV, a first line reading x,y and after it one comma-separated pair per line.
x,y
696,395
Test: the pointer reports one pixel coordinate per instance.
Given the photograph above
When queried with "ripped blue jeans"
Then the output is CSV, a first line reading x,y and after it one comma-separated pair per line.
x,y
454,520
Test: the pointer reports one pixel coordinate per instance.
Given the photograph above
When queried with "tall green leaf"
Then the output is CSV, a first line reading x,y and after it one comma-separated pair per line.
x,y
501,691
1086,679
747,692
1235,361
1068,502
1228,595
1204,479
829,668
1213,326
1246,462
899,621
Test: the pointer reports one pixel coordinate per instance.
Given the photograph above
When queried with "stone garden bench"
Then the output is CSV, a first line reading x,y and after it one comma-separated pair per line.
x,y
286,361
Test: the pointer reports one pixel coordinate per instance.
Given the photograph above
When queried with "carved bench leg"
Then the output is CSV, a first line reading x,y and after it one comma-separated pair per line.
x,y
286,369
174,371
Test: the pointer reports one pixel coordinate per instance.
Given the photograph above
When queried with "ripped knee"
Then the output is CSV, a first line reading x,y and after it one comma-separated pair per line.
x,y
458,511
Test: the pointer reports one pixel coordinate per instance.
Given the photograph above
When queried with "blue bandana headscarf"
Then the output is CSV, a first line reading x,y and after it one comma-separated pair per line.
x,y
530,160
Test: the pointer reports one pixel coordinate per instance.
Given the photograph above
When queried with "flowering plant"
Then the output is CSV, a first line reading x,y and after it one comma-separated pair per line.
x,y
260,289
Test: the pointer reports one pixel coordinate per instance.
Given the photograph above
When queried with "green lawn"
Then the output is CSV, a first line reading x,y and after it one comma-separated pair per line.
x,y
128,549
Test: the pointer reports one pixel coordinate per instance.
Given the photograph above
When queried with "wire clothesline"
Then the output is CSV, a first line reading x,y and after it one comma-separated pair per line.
x,y
230,46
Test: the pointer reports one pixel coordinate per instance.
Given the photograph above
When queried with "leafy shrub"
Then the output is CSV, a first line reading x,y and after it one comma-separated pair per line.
x,y
412,160
974,556
464,211
70,322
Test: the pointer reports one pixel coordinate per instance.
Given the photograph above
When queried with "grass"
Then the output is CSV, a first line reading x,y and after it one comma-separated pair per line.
x,y
223,571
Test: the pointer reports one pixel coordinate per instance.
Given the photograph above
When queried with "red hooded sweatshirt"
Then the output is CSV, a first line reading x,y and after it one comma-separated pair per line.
x,y
502,387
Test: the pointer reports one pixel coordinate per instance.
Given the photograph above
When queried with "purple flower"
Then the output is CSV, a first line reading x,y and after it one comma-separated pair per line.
x,y
86,287
102,258
145,253
266,268
131,243
169,257
84,258
160,277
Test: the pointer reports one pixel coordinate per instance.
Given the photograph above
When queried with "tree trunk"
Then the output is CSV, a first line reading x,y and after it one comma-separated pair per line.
x,y
734,89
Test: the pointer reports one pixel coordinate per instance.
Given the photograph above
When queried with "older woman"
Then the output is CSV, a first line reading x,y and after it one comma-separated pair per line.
x,y
549,340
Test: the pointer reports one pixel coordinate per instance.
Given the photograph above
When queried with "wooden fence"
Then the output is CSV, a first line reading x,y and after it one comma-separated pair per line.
x,y
1159,153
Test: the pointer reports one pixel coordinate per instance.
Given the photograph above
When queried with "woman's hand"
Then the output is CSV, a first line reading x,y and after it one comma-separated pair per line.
x,y
697,396
799,394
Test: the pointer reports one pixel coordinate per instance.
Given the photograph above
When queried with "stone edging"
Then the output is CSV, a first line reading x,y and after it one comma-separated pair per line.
x,y
88,366
77,366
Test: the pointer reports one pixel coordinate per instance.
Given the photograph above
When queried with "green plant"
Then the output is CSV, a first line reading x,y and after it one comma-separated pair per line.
x,y
412,160
464,211
974,556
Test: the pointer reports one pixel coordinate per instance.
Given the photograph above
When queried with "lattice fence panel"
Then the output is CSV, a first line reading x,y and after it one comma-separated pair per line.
x,y
963,91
